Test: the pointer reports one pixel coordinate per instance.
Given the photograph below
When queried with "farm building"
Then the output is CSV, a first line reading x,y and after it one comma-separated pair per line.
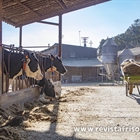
x,y
125,54
136,52
81,63
130,53
112,58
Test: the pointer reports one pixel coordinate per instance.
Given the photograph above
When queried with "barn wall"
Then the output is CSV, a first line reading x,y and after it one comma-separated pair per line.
x,y
87,73
74,52
77,51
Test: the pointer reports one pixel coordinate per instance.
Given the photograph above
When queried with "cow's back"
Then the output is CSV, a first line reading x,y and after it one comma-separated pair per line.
x,y
13,63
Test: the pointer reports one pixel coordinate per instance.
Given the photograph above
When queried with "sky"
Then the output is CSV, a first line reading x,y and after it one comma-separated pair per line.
x,y
96,22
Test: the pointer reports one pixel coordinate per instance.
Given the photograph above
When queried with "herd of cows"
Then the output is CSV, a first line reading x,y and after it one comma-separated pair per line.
x,y
30,64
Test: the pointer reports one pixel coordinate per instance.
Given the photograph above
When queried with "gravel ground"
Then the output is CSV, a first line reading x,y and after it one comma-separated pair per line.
x,y
84,112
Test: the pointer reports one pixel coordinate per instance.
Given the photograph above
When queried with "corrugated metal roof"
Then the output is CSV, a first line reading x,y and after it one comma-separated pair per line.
x,y
22,12
83,63
126,52
109,42
80,51
135,51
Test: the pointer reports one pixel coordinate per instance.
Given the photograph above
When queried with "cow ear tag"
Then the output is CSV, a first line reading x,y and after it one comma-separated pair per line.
x,y
52,58
26,57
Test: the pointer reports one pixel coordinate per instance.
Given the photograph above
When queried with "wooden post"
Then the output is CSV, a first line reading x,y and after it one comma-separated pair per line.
x,y
1,71
130,88
60,40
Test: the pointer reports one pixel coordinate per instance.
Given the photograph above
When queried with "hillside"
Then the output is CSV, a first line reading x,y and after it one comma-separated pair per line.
x,y
130,39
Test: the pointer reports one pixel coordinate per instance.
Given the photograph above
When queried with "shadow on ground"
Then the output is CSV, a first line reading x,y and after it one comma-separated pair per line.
x,y
135,97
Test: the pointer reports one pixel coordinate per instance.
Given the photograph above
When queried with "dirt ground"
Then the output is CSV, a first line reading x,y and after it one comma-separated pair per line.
x,y
84,112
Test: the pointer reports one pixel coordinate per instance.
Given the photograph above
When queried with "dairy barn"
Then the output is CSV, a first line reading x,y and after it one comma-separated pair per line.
x,y
84,111
18,14
80,61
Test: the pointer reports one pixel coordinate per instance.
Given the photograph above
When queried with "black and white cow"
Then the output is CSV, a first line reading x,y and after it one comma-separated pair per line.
x,y
47,63
50,62
58,65
47,87
17,63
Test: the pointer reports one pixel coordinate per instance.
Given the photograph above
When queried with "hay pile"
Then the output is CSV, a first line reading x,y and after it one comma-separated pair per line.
x,y
8,133
15,118
131,67
17,121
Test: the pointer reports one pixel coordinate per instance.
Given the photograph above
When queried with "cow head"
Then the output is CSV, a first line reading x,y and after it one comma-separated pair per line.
x,y
57,64
47,87
32,66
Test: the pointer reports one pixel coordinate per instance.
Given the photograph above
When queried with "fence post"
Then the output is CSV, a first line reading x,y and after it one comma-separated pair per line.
x,y
1,70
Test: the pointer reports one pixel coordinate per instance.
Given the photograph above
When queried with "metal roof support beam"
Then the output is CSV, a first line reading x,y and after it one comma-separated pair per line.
x,y
60,35
60,40
1,71
20,37
56,107
51,23
24,6
35,46
62,4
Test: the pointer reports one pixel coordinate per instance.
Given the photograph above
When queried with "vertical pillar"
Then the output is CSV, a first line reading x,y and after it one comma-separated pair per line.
x,y
20,36
60,35
1,71
60,40
102,74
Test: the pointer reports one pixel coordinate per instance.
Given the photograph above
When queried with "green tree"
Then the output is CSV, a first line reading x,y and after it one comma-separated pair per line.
x,y
100,46
135,30
130,38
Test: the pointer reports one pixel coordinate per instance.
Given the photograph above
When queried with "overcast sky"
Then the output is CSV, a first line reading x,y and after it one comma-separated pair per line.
x,y
96,22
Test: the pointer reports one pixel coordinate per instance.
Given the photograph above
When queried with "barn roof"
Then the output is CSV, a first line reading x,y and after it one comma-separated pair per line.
x,y
80,52
110,42
22,12
83,63
126,52
135,51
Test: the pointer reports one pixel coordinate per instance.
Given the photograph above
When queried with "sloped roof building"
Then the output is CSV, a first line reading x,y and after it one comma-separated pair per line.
x,y
130,53
125,54
81,62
